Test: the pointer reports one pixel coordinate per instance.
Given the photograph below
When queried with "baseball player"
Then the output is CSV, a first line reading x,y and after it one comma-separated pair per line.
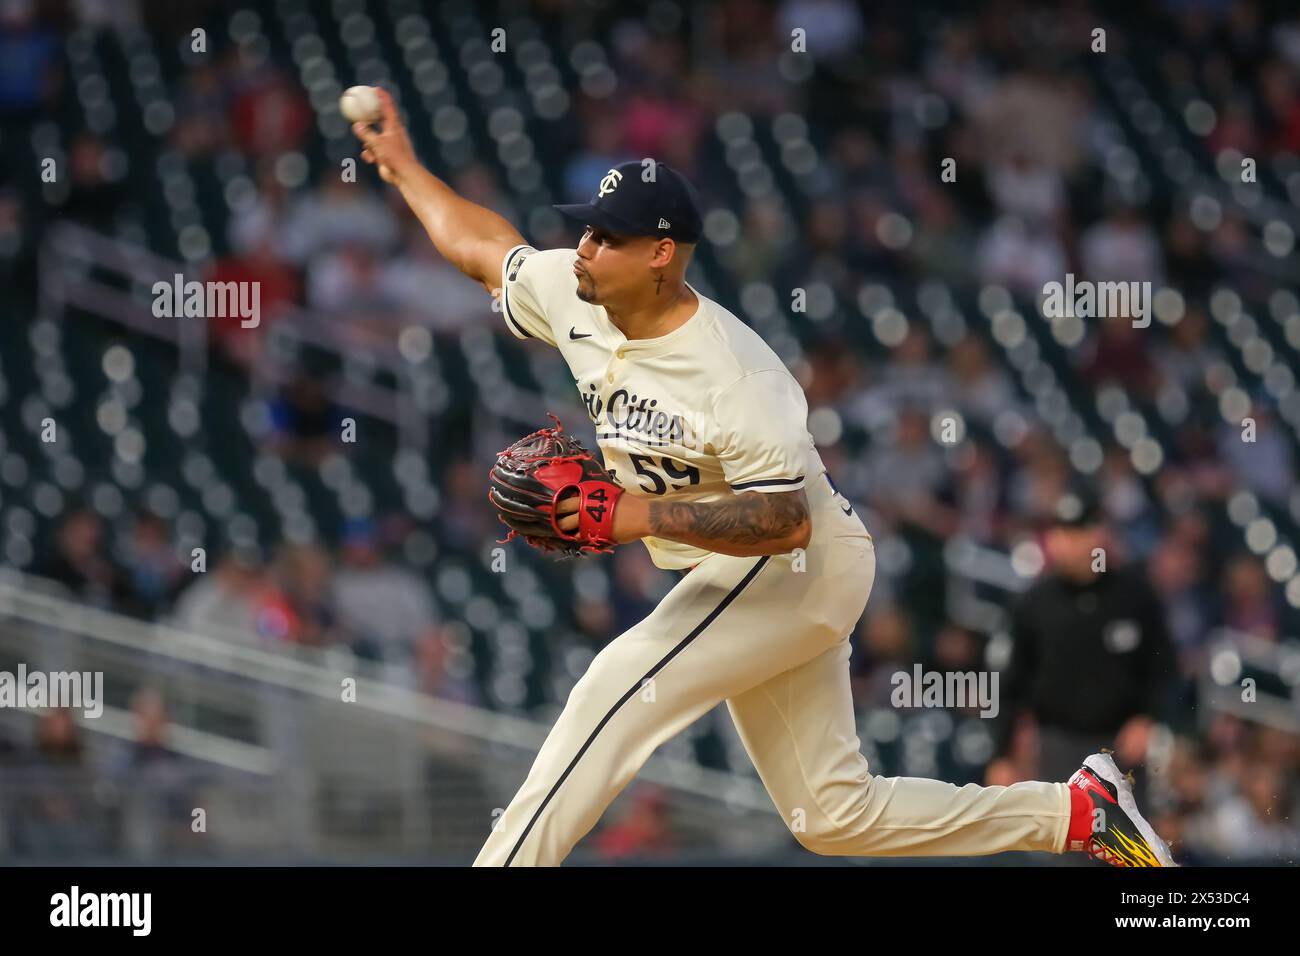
x,y
709,463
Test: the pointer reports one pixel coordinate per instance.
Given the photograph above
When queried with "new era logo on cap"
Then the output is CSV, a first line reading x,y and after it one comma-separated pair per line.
x,y
641,198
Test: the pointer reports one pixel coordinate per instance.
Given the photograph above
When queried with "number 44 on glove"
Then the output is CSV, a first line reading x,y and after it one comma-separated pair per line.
x,y
531,477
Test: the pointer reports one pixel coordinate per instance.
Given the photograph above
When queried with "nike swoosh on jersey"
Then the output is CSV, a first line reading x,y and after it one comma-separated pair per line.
x,y
574,335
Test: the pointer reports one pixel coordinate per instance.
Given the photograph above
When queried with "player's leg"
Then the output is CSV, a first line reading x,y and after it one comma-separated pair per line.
x,y
799,730
721,630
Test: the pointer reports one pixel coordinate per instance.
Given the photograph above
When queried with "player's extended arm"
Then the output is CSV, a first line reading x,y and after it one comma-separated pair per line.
x,y
747,524
471,237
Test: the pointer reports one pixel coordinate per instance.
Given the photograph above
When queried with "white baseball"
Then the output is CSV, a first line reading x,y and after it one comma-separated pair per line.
x,y
360,104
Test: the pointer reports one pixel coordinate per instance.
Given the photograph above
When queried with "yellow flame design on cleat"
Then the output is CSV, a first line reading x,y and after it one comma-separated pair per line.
x,y
1132,852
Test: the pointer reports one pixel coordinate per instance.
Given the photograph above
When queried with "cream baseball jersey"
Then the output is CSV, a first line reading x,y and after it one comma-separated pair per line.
x,y
703,412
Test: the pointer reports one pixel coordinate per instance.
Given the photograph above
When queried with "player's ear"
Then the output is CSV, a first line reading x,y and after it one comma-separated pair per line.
x,y
665,251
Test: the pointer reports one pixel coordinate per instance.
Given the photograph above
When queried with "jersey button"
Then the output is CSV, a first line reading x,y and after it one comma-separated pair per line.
x,y
621,353
610,378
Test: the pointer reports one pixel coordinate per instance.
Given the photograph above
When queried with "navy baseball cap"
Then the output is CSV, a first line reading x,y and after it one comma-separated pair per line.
x,y
626,204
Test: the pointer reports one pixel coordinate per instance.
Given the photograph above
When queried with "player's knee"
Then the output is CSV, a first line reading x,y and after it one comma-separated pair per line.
x,y
813,831
817,840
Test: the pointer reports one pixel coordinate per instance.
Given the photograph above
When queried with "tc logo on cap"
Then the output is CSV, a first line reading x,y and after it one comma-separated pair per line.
x,y
609,183
630,204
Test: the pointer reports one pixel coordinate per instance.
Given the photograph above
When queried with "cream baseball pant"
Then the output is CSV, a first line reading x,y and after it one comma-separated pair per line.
x,y
771,637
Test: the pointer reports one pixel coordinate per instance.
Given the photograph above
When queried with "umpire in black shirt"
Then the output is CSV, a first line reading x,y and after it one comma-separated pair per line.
x,y
1091,654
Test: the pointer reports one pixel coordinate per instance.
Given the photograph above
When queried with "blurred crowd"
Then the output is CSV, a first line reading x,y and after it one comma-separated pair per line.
x,y
134,797
357,595
1003,92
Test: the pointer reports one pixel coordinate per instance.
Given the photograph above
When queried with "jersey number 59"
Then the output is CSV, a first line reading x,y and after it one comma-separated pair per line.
x,y
644,465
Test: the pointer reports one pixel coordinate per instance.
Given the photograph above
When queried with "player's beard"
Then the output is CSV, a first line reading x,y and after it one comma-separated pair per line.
x,y
587,293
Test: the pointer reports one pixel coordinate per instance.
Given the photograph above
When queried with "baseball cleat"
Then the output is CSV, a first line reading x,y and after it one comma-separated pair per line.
x,y
1119,835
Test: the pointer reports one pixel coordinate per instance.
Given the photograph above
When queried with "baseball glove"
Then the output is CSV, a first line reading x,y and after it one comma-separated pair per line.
x,y
532,475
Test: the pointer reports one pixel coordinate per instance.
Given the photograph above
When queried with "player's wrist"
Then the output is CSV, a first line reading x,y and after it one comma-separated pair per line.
x,y
631,519
405,169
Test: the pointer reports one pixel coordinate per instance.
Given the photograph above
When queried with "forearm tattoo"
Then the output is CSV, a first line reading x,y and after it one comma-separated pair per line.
x,y
745,519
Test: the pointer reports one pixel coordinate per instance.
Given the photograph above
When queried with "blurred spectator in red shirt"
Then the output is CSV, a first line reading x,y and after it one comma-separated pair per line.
x,y
1119,355
278,286
270,115
1277,86
1234,129
299,609
644,831
664,127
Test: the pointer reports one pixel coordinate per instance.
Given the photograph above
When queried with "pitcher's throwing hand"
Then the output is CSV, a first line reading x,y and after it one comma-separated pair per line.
x,y
389,146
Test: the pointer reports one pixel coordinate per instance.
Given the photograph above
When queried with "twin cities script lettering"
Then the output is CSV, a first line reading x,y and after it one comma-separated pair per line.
x,y
629,415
